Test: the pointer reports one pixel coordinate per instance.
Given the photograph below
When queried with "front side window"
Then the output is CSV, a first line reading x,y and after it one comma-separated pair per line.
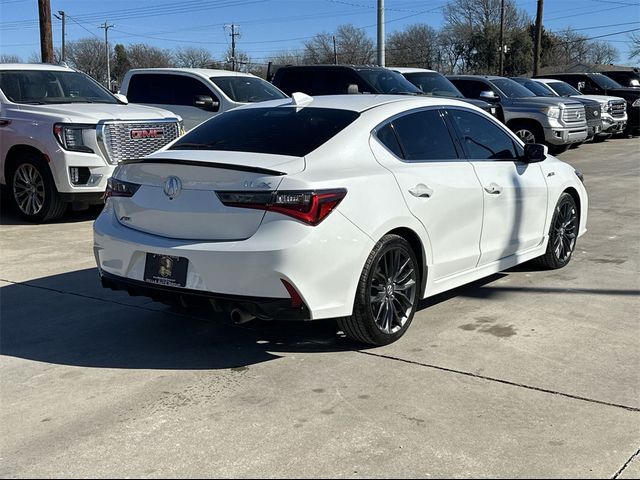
x,y
166,89
424,137
471,88
482,139
45,87
564,89
512,89
247,89
388,81
605,82
281,130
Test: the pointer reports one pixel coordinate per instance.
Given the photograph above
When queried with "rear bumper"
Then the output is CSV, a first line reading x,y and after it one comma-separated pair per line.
x,y
261,307
322,263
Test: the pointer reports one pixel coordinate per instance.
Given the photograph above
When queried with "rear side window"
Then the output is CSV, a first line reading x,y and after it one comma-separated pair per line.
x,y
481,138
277,130
164,89
388,138
424,136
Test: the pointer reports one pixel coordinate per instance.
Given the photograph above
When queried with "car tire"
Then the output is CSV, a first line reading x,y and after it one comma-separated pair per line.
x,y
387,295
528,132
563,234
33,190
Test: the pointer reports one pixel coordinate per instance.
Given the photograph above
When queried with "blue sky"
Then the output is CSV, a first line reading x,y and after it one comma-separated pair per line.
x,y
271,26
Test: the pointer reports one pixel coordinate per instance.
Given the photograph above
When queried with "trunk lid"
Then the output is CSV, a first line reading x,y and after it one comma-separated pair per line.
x,y
186,206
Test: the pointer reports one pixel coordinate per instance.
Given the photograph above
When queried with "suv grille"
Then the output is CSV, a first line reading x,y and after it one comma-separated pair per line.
x,y
617,108
573,115
131,140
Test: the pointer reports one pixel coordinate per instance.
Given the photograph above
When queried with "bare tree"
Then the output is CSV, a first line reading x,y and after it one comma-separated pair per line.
x,y
88,56
601,53
570,48
286,58
192,57
5,58
352,46
634,51
417,46
242,61
141,55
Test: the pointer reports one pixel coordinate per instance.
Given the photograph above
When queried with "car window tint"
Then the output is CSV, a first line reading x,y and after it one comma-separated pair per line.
x,y
388,138
166,89
424,136
470,88
483,139
247,89
280,130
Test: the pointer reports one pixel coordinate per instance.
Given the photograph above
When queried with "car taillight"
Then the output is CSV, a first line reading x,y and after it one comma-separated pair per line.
x,y
311,207
120,188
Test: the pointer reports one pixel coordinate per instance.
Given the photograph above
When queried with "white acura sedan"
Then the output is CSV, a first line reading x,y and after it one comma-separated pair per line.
x,y
353,207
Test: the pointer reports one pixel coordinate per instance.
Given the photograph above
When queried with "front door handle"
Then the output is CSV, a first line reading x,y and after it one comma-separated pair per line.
x,y
493,189
421,191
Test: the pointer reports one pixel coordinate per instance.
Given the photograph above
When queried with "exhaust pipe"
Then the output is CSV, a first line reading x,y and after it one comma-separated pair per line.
x,y
240,316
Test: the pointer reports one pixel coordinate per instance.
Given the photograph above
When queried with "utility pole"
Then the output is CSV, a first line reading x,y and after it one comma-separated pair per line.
x,y
501,73
46,40
381,33
335,51
61,18
233,36
538,43
106,27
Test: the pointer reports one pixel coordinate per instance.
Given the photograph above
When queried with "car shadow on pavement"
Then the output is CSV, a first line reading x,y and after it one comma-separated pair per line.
x,y
9,214
69,319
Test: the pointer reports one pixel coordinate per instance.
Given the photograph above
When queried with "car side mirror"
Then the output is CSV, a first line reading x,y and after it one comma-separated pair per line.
x,y
205,102
121,98
352,88
535,152
489,96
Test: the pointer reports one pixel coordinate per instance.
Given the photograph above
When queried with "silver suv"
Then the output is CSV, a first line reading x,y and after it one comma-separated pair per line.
x,y
555,122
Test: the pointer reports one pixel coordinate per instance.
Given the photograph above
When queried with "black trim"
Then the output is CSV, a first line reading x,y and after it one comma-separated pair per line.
x,y
92,198
262,307
223,166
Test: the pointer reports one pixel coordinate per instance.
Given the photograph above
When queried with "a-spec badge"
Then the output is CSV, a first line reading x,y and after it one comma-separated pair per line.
x,y
142,133
172,187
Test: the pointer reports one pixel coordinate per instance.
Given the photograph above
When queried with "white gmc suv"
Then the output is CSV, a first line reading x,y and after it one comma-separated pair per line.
x,y
62,135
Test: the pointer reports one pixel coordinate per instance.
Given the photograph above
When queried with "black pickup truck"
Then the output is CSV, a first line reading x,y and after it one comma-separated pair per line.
x,y
599,84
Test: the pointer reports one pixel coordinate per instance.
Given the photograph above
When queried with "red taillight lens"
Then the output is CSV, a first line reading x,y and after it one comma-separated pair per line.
x,y
311,207
120,188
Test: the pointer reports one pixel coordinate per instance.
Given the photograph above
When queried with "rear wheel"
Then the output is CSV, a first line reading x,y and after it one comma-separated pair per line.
x,y
562,235
387,294
33,190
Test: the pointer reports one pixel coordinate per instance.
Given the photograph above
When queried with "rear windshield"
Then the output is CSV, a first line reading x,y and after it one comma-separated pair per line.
x,y
247,89
282,130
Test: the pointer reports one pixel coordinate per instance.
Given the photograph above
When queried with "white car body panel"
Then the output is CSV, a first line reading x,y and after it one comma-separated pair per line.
x,y
324,262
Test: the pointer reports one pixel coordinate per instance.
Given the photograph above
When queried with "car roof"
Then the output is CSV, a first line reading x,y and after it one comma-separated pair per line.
x,y
361,103
548,80
411,70
476,77
35,66
201,72
327,66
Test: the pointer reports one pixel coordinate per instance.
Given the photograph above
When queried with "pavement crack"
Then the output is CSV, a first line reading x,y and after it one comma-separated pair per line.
x,y
626,464
505,382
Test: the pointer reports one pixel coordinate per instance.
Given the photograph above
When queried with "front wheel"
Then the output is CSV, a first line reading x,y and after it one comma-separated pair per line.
x,y
387,294
562,234
33,190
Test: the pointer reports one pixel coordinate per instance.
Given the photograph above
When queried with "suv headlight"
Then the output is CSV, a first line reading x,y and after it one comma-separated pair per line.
x,y
74,137
636,103
551,112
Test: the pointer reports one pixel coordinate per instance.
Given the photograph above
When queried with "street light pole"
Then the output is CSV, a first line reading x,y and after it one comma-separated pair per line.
x,y
106,27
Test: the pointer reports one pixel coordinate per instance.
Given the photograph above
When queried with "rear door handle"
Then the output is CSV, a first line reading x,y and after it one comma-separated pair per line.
x,y
493,189
4,122
421,191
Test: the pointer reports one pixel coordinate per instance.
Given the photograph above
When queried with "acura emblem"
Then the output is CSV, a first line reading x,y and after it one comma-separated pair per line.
x,y
172,187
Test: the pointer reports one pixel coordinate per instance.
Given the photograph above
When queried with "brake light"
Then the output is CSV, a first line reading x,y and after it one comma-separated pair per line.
x,y
310,207
120,188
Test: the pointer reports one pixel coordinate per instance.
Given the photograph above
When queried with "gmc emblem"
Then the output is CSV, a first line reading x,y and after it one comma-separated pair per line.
x,y
140,133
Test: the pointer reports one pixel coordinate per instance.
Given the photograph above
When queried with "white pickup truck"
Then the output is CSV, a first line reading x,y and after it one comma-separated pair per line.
x,y
62,135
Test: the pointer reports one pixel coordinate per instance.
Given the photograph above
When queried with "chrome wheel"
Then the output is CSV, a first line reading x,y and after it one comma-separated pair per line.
x,y
28,189
565,230
393,290
526,136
